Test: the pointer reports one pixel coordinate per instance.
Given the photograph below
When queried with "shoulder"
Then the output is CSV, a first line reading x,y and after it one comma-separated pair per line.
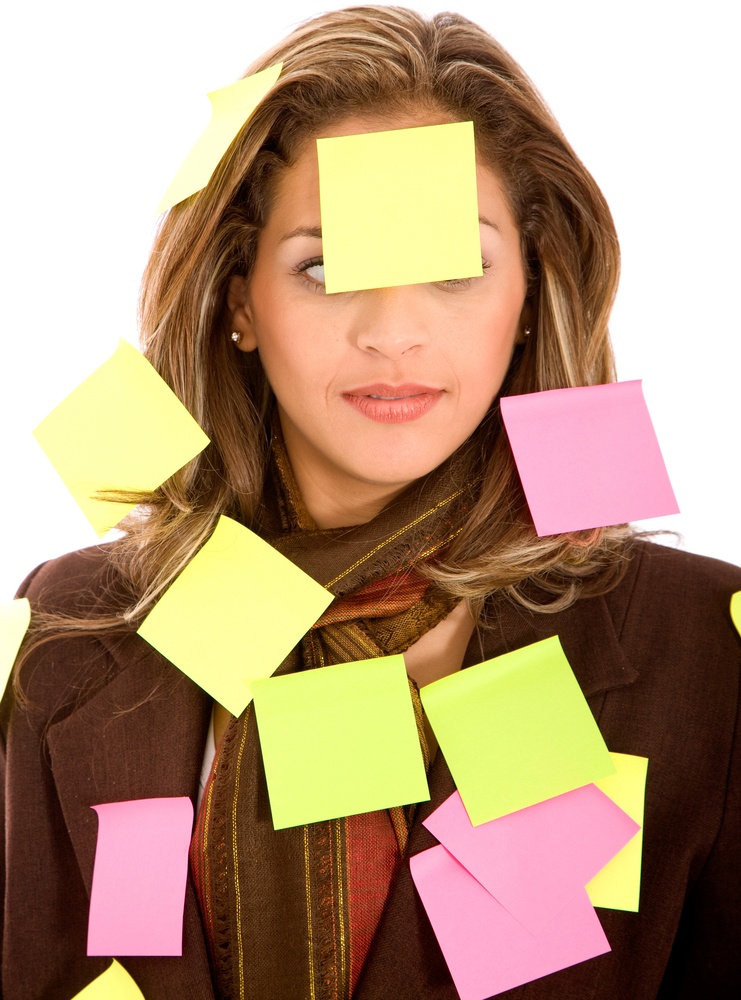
x,y
75,645
77,584
675,593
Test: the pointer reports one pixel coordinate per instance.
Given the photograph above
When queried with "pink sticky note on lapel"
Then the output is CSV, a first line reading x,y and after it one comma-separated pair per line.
x,y
141,865
587,457
535,860
487,951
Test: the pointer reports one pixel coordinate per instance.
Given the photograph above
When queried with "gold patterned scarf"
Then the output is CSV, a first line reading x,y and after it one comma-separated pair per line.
x,y
292,913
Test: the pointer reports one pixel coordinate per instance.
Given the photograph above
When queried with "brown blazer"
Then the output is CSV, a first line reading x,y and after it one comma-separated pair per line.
x,y
658,659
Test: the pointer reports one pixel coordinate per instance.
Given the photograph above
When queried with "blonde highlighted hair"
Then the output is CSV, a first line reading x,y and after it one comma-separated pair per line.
x,y
383,61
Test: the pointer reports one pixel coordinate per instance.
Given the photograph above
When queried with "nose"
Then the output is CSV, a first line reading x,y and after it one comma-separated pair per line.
x,y
391,321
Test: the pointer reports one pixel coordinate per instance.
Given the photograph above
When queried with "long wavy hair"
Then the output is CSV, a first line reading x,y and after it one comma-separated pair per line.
x,y
384,61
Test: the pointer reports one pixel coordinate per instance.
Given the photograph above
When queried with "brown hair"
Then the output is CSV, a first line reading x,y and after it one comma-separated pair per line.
x,y
385,61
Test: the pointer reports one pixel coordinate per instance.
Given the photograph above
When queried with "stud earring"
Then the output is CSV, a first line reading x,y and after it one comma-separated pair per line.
x,y
236,336
527,331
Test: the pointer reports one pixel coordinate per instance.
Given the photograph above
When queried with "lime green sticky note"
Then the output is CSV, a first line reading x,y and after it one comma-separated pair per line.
x,y
234,613
736,610
231,107
123,428
15,617
516,730
400,207
339,740
114,984
618,885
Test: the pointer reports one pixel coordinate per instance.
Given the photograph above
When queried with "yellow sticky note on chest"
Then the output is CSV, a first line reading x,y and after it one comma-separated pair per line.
x,y
114,984
618,885
234,613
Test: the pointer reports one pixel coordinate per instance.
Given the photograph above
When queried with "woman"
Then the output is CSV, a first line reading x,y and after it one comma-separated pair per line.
x,y
360,434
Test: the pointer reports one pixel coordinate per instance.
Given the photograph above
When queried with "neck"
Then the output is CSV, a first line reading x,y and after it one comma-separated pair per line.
x,y
341,508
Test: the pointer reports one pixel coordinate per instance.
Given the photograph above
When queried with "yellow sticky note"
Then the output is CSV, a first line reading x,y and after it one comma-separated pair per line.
x,y
618,885
15,617
230,108
736,610
123,428
234,613
114,984
399,207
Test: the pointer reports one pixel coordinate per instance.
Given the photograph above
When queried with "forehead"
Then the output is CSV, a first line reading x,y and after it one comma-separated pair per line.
x,y
296,192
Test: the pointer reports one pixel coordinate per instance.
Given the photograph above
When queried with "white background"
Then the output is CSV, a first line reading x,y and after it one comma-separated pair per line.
x,y
101,102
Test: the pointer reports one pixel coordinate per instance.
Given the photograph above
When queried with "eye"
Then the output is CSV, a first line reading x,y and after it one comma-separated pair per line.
x,y
460,283
312,271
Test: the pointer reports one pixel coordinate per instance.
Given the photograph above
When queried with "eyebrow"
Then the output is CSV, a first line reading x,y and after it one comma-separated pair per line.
x,y
313,231
486,222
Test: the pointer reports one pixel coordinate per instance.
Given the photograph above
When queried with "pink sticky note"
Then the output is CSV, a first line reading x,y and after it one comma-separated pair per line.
x,y
486,949
587,457
141,864
535,860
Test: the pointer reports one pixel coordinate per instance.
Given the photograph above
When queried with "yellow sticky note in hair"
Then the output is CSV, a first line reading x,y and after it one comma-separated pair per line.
x,y
15,617
231,107
234,613
123,428
114,984
399,207
618,885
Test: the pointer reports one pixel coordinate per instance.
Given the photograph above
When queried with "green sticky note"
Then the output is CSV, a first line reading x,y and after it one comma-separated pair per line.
x,y
618,885
399,207
230,108
123,428
15,617
114,984
234,613
516,730
339,740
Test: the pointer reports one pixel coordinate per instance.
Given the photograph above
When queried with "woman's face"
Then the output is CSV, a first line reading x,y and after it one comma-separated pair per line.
x,y
374,388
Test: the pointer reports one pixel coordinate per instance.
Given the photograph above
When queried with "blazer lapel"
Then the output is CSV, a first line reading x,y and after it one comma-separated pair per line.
x,y
140,736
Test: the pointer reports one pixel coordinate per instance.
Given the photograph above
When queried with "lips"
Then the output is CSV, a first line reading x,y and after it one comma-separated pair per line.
x,y
393,404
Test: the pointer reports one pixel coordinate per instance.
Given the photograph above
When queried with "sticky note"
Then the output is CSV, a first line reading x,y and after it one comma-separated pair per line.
x,y
123,428
339,740
114,984
487,951
15,617
234,613
231,107
618,885
736,610
399,207
516,730
141,865
587,457
534,860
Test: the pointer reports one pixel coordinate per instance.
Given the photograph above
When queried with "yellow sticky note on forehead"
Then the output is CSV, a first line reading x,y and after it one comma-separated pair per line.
x,y
399,207
231,107
123,428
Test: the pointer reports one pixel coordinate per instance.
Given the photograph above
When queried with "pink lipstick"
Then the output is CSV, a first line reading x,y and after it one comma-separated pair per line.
x,y
393,404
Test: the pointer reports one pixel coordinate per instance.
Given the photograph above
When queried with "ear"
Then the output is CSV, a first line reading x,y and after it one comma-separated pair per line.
x,y
241,315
